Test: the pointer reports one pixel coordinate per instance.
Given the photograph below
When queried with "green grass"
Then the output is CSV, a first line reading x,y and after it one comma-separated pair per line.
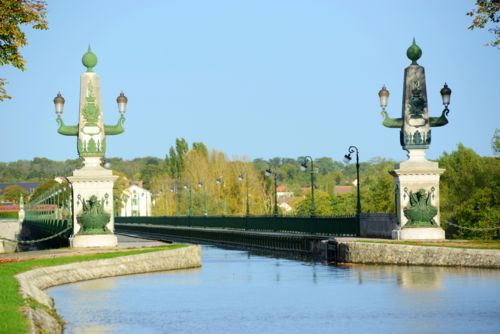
x,y
9,215
11,318
468,244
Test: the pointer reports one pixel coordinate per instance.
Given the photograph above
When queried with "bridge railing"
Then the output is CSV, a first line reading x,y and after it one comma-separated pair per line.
x,y
340,225
50,213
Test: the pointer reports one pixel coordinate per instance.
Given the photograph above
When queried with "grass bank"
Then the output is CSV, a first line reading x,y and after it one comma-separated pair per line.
x,y
469,244
12,319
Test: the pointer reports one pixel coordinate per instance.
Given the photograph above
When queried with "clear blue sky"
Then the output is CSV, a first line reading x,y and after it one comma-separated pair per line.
x,y
253,78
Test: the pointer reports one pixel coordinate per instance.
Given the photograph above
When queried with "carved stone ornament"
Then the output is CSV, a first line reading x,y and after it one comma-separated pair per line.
x,y
420,212
93,219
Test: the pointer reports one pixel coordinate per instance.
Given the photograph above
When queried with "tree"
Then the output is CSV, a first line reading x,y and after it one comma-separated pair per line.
x,y
469,194
495,142
486,11
200,148
13,193
119,186
175,158
13,14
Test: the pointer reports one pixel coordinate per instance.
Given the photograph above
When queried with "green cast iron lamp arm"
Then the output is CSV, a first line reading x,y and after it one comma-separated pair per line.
x,y
66,130
391,122
435,122
110,130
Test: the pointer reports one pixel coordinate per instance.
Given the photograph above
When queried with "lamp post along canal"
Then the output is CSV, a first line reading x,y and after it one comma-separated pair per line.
x,y
93,219
205,195
303,167
220,182
247,205
417,179
348,158
270,172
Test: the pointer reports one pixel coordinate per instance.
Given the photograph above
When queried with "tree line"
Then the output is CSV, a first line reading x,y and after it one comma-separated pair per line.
x,y
193,179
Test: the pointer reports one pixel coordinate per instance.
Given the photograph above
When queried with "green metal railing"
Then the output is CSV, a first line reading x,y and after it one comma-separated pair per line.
x,y
51,213
339,226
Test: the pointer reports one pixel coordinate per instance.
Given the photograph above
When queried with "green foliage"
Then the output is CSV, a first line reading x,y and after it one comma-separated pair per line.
x,y
495,142
175,159
119,186
486,12
482,213
326,204
9,215
13,15
42,189
13,193
468,193
200,148
37,169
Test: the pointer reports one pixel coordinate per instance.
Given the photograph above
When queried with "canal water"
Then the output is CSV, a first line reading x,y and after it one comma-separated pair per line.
x,y
239,292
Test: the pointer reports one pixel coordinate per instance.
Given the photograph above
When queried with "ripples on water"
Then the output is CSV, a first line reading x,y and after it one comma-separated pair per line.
x,y
236,292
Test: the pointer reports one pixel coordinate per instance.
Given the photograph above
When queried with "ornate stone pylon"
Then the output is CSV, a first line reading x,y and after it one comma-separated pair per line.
x,y
417,179
93,219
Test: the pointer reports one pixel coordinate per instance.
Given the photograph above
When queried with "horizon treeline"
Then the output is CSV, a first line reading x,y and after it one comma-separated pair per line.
x,y
209,182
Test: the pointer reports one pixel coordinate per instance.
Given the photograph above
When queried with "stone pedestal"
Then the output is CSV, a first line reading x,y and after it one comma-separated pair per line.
x,y
417,189
90,180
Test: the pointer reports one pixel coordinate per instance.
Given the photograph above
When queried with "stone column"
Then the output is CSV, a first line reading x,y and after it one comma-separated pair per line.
x,y
417,198
92,180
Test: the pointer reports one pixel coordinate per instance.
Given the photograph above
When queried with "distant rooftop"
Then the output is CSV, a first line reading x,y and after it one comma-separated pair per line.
x,y
28,186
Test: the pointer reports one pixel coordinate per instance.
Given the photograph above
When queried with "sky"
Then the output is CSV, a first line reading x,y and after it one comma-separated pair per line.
x,y
254,79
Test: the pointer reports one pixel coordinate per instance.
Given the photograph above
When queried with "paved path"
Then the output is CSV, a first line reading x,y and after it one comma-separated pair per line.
x,y
125,242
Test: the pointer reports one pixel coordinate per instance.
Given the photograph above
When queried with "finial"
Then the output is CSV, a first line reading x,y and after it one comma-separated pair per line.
x,y
414,52
89,60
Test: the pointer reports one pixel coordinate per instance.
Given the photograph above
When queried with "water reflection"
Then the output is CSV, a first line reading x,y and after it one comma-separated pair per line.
x,y
239,292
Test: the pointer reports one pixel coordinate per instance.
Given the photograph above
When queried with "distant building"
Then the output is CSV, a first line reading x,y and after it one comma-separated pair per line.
x,y
340,190
285,207
28,186
137,202
283,195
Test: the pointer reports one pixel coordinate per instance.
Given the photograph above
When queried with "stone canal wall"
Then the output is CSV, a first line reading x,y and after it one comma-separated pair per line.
x,y
351,251
33,282
9,229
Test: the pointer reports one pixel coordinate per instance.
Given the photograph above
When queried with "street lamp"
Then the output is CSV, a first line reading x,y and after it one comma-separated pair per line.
x,y
242,177
445,95
269,172
220,181
59,104
122,101
347,159
384,97
201,185
303,167
176,198
190,202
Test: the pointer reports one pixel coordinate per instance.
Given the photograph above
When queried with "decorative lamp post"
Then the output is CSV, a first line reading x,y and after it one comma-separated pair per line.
x,y
303,167
220,182
347,157
269,172
176,198
92,184
417,179
241,178
190,202
202,185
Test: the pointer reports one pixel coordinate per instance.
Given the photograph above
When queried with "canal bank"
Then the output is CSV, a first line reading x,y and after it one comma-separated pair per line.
x,y
366,251
24,292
